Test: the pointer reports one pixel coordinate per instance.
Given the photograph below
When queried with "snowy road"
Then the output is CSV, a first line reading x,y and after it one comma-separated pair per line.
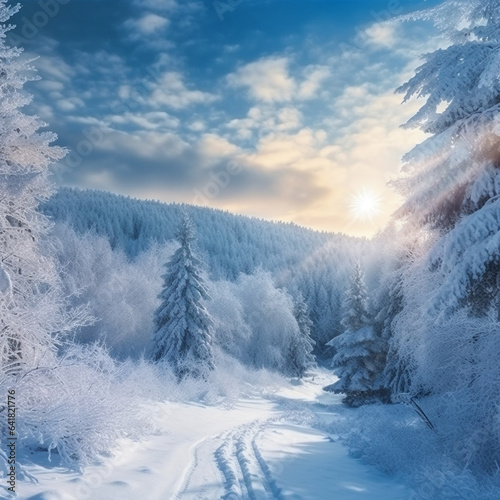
x,y
262,448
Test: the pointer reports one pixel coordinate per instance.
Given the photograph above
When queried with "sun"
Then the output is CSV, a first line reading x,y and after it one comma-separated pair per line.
x,y
365,205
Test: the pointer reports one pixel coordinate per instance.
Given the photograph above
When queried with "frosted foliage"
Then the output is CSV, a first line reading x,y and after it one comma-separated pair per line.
x,y
450,362
451,189
464,256
315,263
232,332
455,363
261,325
484,187
182,336
451,368
269,314
79,407
31,305
464,78
121,294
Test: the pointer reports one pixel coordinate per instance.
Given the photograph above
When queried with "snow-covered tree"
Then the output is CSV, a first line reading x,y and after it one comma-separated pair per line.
x,y
360,352
451,182
182,334
269,314
451,185
300,357
31,308
232,332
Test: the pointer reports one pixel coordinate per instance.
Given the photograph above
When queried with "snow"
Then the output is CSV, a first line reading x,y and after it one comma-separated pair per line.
x,y
263,447
310,465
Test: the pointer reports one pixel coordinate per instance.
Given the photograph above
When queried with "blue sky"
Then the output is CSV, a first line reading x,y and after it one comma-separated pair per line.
x,y
282,109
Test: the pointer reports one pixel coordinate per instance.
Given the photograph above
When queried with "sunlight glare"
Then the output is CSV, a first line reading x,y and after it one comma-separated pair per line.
x,y
365,205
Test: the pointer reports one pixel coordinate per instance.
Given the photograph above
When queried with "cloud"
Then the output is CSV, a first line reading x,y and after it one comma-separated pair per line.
x,y
171,91
309,138
146,145
154,120
197,126
228,49
369,148
269,80
302,174
315,76
288,118
264,119
174,169
266,80
54,68
70,104
212,149
382,35
279,150
146,25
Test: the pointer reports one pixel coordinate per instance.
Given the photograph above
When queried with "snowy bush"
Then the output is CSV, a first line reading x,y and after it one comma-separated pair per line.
x,y
394,439
269,313
121,294
232,332
261,325
77,407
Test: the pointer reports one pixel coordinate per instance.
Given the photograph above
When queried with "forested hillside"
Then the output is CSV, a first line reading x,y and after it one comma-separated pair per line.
x,y
317,264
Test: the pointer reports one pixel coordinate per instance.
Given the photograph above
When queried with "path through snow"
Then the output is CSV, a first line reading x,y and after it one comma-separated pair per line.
x,y
261,449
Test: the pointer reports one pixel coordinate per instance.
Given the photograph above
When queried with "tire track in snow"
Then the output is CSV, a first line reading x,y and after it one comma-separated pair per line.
x,y
271,482
225,459
246,473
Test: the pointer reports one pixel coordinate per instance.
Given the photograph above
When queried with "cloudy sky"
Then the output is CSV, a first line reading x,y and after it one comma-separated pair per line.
x,y
281,109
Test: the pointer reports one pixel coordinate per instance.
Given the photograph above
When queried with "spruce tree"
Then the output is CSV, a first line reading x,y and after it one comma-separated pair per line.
x,y
451,185
359,360
451,182
182,335
300,357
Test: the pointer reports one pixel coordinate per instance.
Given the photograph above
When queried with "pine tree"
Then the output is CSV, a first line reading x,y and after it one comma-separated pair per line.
x,y
451,185
451,181
183,328
31,308
358,361
300,357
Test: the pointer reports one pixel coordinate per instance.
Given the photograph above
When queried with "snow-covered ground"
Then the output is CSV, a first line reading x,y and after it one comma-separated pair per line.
x,y
260,448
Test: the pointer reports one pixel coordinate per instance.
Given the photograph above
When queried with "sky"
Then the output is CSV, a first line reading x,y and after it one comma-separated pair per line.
x,y
280,109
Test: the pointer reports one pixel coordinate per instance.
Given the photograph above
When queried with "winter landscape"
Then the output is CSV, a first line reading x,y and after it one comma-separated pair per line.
x,y
234,265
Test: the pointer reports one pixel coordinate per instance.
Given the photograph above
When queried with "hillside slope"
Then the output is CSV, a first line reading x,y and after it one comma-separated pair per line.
x,y
316,263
